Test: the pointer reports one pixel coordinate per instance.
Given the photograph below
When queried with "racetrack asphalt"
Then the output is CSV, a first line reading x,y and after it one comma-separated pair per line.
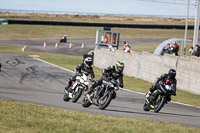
x,y
26,79
36,45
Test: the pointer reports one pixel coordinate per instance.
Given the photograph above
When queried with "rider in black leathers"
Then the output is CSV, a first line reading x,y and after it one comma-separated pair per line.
x,y
166,79
112,72
85,68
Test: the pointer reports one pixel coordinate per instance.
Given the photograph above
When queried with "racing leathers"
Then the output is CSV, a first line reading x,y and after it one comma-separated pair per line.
x,y
163,79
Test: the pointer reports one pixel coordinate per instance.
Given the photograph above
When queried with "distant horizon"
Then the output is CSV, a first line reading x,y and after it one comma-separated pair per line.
x,y
126,7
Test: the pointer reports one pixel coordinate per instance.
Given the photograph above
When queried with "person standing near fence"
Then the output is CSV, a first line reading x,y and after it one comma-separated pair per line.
x,y
197,52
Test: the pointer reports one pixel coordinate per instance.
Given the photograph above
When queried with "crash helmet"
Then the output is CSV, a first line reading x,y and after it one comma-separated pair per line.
x,y
172,74
88,61
119,66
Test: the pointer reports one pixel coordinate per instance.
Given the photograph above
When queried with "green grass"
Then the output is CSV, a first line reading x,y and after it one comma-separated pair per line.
x,y
135,84
40,32
30,118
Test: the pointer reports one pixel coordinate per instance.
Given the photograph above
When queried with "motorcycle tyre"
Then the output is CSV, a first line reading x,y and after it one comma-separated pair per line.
x,y
146,106
109,98
75,99
156,110
66,97
86,103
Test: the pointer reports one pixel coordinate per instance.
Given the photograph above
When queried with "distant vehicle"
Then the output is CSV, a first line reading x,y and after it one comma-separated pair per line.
x,y
64,39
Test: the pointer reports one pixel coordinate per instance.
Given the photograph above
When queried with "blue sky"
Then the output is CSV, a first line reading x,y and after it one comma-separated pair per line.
x,y
135,7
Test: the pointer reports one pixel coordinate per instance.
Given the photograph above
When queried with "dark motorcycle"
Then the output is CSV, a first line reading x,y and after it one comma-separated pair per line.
x,y
158,98
102,95
75,90
64,39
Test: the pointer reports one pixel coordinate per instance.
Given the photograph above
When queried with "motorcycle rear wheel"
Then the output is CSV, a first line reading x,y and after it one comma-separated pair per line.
x,y
77,95
85,102
103,103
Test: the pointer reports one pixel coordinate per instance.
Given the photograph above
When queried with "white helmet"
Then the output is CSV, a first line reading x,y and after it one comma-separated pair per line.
x,y
88,61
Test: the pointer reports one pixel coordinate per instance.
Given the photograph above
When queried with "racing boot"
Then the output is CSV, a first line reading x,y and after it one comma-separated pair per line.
x,y
89,94
68,85
148,96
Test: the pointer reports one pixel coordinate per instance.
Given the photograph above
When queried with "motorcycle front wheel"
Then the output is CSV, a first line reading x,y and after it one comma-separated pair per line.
x,y
146,106
77,95
105,100
66,97
85,102
160,101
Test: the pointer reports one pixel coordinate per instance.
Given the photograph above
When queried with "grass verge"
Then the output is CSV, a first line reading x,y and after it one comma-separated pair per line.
x,y
16,31
135,84
30,118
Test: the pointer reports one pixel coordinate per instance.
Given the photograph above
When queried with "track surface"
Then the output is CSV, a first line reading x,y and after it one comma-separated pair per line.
x,y
63,48
26,79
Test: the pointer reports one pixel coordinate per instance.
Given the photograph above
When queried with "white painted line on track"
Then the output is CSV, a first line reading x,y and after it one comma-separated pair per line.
x,y
120,88
24,48
53,65
171,101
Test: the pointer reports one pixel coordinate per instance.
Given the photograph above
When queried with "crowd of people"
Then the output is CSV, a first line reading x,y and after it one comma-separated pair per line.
x,y
174,49
195,52
171,49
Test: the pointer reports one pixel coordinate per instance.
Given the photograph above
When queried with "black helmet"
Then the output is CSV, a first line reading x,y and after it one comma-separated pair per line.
x,y
88,61
119,66
172,73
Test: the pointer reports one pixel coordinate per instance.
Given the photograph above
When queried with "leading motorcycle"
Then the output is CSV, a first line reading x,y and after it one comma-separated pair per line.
x,y
102,95
158,98
78,86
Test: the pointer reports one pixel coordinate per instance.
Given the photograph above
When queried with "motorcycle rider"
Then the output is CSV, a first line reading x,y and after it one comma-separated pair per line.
x,y
85,67
164,79
114,71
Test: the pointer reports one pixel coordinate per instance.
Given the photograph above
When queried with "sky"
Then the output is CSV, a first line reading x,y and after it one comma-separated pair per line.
x,y
128,7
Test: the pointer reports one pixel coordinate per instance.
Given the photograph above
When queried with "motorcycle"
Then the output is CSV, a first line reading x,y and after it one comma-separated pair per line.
x,y
160,98
102,95
78,86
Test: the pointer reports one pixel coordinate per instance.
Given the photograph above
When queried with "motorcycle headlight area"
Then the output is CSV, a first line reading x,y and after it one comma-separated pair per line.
x,y
168,87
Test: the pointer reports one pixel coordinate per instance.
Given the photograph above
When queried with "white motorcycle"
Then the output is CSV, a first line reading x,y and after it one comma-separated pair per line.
x,y
78,86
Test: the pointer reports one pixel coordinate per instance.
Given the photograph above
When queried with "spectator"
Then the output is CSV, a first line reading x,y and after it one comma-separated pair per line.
x,y
166,49
197,53
176,45
174,50
191,51
127,48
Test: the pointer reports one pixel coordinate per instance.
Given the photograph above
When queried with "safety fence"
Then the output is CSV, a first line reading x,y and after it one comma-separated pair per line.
x,y
148,66
90,24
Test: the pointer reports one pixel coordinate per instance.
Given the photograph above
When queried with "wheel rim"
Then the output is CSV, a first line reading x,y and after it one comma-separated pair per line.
x,y
103,100
157,102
